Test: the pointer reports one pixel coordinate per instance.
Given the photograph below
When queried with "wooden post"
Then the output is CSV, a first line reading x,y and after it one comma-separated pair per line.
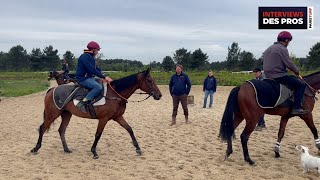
x,y
190,99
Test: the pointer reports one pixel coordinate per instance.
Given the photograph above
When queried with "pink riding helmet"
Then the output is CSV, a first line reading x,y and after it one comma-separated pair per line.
x,y
284,35
93,45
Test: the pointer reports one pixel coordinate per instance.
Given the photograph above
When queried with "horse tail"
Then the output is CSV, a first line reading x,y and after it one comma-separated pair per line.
x,y
226,127
44,111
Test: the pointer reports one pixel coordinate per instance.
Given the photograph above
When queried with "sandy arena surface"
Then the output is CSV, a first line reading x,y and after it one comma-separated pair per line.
x,y
185,151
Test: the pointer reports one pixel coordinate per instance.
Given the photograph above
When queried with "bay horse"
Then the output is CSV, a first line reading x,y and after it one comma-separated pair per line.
x,y
59,77
116,98
242,105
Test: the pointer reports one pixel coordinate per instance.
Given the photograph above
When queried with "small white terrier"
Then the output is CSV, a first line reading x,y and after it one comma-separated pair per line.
x,y
308,161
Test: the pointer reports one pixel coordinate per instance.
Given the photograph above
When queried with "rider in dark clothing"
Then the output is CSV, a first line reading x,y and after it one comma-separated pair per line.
x,y
65,69
276,60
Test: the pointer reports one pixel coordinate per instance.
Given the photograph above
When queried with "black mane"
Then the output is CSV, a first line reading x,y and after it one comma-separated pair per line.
x,y
125,82
315,73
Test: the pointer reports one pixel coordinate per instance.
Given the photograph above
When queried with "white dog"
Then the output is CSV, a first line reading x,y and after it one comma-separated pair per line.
x,y
308,161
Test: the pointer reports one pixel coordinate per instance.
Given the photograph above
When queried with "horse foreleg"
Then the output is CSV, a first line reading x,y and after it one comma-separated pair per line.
x,y
282,128
65,116
102,123
308,119
244,141
125,125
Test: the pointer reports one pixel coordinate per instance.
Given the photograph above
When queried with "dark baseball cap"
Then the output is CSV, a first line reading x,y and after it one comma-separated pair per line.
x,y
257,70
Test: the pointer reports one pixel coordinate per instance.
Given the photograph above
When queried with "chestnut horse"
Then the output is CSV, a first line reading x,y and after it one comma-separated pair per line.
x,y
60,79
116,98
242,104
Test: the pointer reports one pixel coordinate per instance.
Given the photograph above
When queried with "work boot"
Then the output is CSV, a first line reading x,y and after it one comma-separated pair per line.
x,y
260,127
187,119
173,122
299,111
82,106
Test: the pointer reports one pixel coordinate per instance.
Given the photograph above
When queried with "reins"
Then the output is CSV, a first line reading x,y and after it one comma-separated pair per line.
x,y
126,100
310,87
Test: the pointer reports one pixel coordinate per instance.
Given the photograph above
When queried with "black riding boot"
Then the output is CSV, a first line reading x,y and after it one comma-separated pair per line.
x,y
82,106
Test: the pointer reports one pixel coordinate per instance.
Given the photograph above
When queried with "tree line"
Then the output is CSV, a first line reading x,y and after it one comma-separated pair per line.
x,y
236,60
17,59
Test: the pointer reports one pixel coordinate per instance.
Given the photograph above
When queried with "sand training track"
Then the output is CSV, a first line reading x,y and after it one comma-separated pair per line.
x,y
185,151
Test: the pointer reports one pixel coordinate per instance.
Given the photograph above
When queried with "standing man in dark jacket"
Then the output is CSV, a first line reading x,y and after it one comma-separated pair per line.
x,y
276,60
179,89
209,87
86,70
260,76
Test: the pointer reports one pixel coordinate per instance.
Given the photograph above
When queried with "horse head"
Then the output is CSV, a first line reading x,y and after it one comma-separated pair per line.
x,y
51,75
148,85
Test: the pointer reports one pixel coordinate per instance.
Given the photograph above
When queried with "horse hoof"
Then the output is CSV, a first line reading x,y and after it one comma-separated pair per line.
x,y
34,151
96,157
252,163
139,152
277,155
68,151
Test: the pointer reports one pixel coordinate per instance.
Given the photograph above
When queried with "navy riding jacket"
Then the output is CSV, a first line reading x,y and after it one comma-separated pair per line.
x,y
87,68
179,84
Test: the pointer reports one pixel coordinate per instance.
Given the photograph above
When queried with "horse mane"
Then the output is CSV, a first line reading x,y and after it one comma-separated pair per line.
x,y
125,82
315,73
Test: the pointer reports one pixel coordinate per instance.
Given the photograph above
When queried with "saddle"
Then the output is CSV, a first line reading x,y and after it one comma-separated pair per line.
x,y
270,93
63,94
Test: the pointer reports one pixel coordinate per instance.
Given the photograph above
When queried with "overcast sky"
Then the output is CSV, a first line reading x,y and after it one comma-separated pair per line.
x,y
147,30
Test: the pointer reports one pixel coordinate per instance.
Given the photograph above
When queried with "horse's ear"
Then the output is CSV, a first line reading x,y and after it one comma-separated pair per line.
x,y
148,71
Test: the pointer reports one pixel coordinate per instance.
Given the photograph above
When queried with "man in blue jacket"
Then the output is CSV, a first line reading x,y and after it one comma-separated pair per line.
x,y
179,89
86,70
209,87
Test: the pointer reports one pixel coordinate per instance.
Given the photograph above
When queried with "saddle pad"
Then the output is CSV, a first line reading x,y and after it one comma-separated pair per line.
x,y
270,93
102,101
62,94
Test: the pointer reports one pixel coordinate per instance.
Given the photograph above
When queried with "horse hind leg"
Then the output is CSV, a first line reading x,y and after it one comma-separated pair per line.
x,y
65,116
49,117
237,120
244,140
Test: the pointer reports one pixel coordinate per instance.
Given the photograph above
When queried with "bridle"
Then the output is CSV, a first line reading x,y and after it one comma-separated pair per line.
x,y
314,91
151,93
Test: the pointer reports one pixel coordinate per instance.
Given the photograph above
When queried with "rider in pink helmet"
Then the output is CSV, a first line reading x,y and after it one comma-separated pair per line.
x,y
276,61
284,36
86,70
93,45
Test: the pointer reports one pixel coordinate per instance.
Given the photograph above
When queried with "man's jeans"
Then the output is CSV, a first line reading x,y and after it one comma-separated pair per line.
x,y
94,86
206,93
